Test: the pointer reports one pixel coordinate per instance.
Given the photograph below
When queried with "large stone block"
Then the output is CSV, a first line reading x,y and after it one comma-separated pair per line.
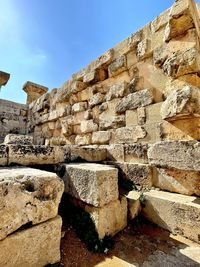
x,y
183,182
35,154
88,126
35,246
92,153
27,196
128,135
177,213
18,139
134,205
101,137
3,155
116,91
112,122
117,66
136,153
94,184
132,101
182,155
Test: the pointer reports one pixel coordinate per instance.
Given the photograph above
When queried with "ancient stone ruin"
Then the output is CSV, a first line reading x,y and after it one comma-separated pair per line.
x,y
131,116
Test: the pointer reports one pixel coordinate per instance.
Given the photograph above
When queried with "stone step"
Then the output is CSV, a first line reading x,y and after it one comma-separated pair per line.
x,y
177,213
92,183
38,246
27,196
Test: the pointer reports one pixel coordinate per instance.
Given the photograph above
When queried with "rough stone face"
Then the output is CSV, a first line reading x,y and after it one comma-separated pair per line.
x,y
116,90
109,219
36,246
136,153
181,103
96,99
115,152
101,137
83,140
128,134
112,122
88,126
78,107
183,182
18,139
4,77
134,206
182,155
132,101
177,213
3,155
117,66
35,154
91,153
94,184
143,49
27,196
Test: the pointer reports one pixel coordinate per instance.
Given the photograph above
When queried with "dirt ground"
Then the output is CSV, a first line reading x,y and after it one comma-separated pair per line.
x,y
141,244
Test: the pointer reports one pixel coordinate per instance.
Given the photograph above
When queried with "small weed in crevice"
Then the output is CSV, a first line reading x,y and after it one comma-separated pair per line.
x,y
142,200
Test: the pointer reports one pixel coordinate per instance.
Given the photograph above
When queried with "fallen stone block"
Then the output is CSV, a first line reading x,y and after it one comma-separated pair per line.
x,y
18,139
27,196
177,213
3,155
134,206
91,153
38,245
94,184
35,154
182,155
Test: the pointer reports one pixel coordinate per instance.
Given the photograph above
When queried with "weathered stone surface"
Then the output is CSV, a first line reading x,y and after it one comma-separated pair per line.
x,y
92,153
35,154
143,49
88,126
135,153
181,103
183,182
112,122
134,206
101,137
18,139
115,152
83,139
3,155
131,118
27,196
4,77
94,184
141,115
36,246
177,213
109,219
78,107
117,66
34,91
126,135
96,99
182,155
132,101
116,91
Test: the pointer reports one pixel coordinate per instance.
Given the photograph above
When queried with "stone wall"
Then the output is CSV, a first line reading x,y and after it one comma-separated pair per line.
x,y
144,90
13,118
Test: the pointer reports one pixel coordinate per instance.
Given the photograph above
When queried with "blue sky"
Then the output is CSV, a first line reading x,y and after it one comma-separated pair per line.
x,y
46,41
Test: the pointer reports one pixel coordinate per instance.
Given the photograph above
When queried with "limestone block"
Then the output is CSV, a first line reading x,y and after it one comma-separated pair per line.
x,y
117,66
3,155
143,49
67,128
27,196
36,246
112,122
131,118
85,95
58,113
109,219
83,139
90,77
92,183
4,77
18,139
88,126
101,137
141,115
78,107
134,39
132,101
115,152
116,91
183,182
35,154
177,213
160,21
96,99
182,103
128,135
91,153
134,206
103,60
135,153
153,113
182,155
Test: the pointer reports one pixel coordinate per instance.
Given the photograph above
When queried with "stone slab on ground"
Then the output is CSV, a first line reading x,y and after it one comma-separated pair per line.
x,y
18,139
38,245
177,213
92,183
27,196
3,155
35,154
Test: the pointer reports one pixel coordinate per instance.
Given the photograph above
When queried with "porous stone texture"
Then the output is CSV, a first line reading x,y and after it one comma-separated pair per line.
x,y
4,77
18,139
128,134
94,184
134,206
177,213
35,154
117,90
92,153
3,155
38,245
101,137
183,182
135,153
27,196
117,66
182,155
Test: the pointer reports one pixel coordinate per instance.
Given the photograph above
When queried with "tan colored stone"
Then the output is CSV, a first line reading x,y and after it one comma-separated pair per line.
x,y
91,153
78,107
128,135
4,77
88,126
3,155
135,153
94,184
117,66
83,139
116,91
141,115
36,246
96,99
115,152
131,118
177,213
101,137
134,206
111,122
18,139
27,196
143,49
153,113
